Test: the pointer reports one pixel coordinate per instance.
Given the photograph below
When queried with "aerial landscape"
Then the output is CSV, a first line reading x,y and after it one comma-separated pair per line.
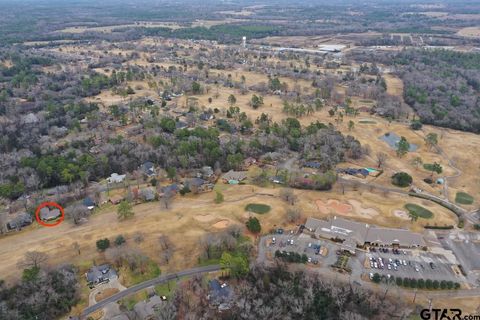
x,y
239,159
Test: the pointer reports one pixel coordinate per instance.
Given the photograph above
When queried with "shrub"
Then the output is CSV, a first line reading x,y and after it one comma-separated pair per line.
x,y
402,179
218,197
253,225
443,284
428,284
399,281
376,278
154,182
119,240
413,283
103,244
416,125
428,180
435,284
421,283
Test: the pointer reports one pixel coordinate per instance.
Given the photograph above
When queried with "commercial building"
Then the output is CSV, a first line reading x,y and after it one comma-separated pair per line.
x,y
354,234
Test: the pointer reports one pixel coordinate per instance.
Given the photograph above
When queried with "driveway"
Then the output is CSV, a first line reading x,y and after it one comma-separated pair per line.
x,y
146,284
112,284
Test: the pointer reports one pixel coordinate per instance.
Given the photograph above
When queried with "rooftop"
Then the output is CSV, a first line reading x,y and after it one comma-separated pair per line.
x,y
49,214
361,233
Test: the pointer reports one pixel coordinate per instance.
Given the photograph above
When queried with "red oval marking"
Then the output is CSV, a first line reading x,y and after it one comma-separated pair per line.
x,y
49,204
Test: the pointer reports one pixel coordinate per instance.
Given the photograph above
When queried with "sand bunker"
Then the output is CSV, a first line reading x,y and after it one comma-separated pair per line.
x,y
333,206
339,207
322,207
401,214
367,212
222,224
204,218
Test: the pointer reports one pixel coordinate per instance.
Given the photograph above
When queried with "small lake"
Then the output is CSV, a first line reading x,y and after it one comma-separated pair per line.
x,y
392,139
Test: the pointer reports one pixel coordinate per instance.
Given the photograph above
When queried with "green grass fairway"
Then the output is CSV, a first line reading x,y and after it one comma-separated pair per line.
x,y
418,211
258,208
463,198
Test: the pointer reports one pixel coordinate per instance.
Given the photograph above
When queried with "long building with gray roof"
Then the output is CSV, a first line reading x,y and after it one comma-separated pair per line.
x,y
353,234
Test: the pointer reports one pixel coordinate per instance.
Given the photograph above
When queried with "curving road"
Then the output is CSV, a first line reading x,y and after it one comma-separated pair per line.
x,y
146,284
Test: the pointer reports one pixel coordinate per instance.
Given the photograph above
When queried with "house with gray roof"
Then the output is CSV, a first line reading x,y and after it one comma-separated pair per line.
x,y
18,222
234,177
146,309
100,274
148,168
148,194
47,214
220,294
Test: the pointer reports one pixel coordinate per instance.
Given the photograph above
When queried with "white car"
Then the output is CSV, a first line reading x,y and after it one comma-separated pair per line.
x,y
416,269
371,276
309,244
389,266
375,265
390,260
404,262
309,259
273,240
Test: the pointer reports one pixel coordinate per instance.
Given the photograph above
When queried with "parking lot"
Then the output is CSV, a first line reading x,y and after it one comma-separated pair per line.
x,y
403,263
319,252
410,264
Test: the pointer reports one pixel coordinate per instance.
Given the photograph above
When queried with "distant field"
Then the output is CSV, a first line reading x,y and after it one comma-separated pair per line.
x,y
418,211
470,32
463,198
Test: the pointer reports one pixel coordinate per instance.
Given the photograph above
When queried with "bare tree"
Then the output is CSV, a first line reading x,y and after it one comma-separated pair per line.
x,y
288,195
167,248
381,159
76,247
166,200
33,259
293,214
138,237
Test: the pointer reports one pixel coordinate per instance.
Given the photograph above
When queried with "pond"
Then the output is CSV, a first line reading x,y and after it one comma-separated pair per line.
x,y
392,139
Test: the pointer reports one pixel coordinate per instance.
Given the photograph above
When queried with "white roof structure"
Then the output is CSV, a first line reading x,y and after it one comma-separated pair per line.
x,y
353,232
115,178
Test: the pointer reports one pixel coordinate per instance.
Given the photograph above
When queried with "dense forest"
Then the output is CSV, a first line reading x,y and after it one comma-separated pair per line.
x,y
41,295
442,86
275,293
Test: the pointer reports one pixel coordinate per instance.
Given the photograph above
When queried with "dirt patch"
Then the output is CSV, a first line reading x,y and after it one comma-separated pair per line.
x,y
401,214
470,32
102,295
367,212
222,224
340,207
394,85
333,206
322,206
204,218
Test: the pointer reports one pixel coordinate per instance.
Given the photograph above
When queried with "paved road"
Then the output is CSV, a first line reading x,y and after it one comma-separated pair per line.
x,y
146,284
